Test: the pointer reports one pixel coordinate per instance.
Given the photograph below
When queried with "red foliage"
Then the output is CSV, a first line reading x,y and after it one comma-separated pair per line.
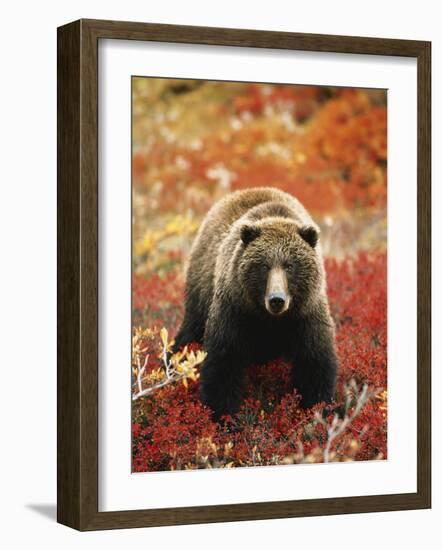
x,y
327,147
158,300
335,160
301,101
172,429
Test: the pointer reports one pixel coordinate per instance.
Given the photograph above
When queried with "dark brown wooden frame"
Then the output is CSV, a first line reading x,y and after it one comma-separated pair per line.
x,y
77,224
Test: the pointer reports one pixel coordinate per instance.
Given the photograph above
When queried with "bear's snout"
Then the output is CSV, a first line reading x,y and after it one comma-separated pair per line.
x,y
277,299
277,302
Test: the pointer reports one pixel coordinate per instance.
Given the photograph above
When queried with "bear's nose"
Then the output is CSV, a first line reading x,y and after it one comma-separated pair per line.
x,y
276,302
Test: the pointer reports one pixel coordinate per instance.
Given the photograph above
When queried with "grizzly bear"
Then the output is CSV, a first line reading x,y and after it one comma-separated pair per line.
x,y
256,291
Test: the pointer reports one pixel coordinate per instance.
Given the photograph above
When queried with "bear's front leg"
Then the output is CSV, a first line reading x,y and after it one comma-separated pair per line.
x,y
314,359
222,383
222,373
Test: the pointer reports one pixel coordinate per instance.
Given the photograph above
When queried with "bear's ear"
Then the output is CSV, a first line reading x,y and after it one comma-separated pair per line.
x,y
310,235
249,233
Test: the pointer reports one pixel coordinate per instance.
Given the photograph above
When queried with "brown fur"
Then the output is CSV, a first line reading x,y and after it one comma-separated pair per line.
x,y
243,237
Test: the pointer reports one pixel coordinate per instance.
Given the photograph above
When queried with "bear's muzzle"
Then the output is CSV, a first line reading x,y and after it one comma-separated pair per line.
x,y
277,298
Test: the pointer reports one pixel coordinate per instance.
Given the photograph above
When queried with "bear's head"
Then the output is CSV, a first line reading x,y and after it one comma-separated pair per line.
x,y
278,268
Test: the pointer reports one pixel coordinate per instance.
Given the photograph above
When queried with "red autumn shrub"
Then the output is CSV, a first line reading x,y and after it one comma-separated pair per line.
x,y
158,300
300,101
173,430
329,149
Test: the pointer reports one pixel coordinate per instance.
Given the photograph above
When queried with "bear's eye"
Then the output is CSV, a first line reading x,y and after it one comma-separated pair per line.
x,y
290,267
259,267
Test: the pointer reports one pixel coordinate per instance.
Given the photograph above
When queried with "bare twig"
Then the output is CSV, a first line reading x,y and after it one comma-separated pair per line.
x,y
141,371
180,366
338,426
157,386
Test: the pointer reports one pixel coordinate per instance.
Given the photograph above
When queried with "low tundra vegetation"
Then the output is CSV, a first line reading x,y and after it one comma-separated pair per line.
x,y
193,142
173,430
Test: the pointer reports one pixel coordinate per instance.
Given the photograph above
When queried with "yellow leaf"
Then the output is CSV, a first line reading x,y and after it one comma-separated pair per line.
x,y
164,335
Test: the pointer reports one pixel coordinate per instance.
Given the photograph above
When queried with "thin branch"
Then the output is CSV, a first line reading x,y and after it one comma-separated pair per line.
x,y
167,363
158,385
338,427
182,366
141,372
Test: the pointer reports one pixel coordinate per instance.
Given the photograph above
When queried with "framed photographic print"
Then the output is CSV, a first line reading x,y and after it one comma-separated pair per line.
x,y
243,275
